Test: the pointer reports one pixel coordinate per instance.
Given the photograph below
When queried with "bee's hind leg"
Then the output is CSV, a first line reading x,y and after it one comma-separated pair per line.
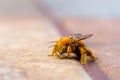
x,y
89,53
69,51
83,55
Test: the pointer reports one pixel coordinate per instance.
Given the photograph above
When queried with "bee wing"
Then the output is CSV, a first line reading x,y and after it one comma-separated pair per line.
x,y
75,35
78,35
85,36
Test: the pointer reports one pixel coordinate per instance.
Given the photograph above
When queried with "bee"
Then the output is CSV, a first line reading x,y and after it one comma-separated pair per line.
x,y
73,43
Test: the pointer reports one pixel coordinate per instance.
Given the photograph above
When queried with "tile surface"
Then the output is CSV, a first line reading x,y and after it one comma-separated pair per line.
x,y
24,49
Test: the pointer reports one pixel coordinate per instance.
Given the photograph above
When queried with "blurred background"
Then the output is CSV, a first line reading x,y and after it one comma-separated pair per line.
x,y
86,8
99,17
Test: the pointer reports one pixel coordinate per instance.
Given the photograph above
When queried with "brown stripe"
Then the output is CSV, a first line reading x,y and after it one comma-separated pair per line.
x,y
95,72
91,68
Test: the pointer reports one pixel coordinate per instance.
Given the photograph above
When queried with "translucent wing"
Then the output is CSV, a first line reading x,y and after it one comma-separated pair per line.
x,y
75,35
85,36
78,36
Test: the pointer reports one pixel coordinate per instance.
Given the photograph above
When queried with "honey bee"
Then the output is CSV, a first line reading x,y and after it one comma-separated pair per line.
x,y
73,43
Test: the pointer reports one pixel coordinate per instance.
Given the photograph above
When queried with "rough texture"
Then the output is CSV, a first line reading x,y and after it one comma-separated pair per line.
x,y
24,42
24,50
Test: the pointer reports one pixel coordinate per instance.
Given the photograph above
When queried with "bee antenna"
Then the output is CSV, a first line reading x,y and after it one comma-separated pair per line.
x,y
52,41
51,46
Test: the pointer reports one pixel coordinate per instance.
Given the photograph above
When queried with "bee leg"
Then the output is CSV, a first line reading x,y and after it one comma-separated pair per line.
x,y
69,50
83,55
89,53
53,51
58,56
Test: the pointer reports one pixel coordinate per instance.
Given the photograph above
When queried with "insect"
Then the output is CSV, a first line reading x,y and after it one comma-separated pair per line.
x,y
73,43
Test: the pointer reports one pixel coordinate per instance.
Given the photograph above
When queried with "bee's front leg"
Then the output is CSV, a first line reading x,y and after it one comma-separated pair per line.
x,y
89,53
83,55
69,51
58,56
54,52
